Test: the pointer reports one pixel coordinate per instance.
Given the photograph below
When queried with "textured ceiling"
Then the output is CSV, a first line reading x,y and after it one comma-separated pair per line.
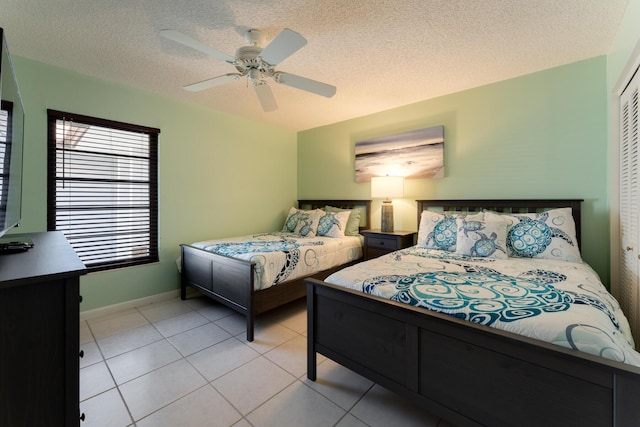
x,y
379,54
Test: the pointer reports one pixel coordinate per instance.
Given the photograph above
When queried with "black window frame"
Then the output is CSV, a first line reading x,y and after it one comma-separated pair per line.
x,y
53,178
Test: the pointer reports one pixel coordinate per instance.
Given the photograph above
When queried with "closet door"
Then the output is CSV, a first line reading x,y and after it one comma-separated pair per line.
x,y
629,206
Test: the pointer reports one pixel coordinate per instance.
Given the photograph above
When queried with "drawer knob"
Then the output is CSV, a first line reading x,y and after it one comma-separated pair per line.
x,y
82,417
81,354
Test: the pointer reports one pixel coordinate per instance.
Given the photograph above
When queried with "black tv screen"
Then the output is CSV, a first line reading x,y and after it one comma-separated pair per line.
x,y
11,142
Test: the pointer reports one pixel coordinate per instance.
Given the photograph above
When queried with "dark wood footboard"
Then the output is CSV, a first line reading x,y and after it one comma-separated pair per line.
x,y
230,281
469,374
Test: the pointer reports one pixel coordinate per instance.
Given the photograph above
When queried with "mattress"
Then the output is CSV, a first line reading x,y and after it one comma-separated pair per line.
x,y
563,303
282,256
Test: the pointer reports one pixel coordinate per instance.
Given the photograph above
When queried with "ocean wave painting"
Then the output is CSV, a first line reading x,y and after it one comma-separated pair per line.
x,y
414,154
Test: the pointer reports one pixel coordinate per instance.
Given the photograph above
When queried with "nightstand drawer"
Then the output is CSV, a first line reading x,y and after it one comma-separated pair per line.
x,y
382,243
378,243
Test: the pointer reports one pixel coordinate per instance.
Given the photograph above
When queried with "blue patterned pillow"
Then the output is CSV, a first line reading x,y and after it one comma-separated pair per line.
x,y
547,235
291,222
439,230
308,222
333,224
485,239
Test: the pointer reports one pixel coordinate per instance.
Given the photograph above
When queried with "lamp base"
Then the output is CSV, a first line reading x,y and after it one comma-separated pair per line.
x,y
387,217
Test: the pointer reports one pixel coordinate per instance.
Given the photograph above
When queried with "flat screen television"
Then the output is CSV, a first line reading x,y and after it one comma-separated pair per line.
x,y
11,142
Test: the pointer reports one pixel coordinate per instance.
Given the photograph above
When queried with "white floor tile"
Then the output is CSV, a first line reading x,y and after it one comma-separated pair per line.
x,y
268,336
297,405
85,332
143,360
199,338
113,323
292,315
351,421
91,354
203,407
339,384
105,410
123,342
253,384
214,311
180,323
94,380
381,408
161,387
234,324
165,309
162,381
291,356
217,360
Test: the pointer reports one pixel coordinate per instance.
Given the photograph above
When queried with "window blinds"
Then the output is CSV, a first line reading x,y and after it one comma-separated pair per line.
x,y
103,189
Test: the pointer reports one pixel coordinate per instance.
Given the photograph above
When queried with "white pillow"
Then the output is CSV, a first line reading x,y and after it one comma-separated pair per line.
x,y
485,239
439,230
333,224
548,235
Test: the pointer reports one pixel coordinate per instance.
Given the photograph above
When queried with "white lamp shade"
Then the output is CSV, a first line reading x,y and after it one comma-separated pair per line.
x,y
387,187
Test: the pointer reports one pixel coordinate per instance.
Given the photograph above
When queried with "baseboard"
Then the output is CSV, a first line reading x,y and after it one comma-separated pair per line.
x,y
109,309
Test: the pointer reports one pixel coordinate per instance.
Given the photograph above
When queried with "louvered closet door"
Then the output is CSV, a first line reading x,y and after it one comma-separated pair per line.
x,y
629,206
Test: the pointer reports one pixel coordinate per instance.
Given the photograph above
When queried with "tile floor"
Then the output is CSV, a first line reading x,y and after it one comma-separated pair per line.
x,y
187,363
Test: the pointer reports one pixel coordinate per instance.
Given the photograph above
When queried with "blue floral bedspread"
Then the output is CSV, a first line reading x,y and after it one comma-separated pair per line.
x,y
281,256
563,303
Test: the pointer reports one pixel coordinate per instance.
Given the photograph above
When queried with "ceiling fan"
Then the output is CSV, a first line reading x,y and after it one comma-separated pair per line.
x,y
257,64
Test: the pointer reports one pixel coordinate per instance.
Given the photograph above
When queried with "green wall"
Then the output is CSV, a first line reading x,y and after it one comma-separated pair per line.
x,y
219,175
542,135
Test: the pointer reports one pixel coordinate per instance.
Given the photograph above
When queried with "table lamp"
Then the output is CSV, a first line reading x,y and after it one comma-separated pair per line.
x,y
387,187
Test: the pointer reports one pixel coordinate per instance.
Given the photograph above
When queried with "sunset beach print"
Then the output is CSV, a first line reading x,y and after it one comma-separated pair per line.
x,y
414,154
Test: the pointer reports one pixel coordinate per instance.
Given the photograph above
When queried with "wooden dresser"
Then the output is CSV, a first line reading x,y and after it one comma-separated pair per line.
x,y
39,333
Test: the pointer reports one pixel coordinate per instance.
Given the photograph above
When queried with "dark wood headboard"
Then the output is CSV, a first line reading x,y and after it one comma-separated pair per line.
x,y
507,206
363,205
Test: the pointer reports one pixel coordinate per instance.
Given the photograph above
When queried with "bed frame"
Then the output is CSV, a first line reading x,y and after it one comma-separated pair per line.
x,y
230,281
469,374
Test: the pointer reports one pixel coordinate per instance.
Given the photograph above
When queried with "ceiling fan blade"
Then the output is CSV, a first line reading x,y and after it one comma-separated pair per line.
x,y
178,37
284,45
266,98
304,83
209,83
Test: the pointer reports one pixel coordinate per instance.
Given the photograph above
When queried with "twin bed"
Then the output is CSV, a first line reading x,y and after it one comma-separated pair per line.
x,y
254,274
492,320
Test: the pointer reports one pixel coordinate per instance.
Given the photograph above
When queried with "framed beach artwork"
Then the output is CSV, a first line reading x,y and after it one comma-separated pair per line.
x,y
413,154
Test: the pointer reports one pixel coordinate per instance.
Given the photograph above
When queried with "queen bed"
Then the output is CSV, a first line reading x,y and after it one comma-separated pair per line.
x,y
254,274
492,319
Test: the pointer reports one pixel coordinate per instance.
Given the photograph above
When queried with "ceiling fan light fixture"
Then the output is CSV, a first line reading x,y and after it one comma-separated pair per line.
x,y
257,64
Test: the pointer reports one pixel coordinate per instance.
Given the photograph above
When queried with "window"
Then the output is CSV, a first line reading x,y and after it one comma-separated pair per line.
x,y
103,189
5,155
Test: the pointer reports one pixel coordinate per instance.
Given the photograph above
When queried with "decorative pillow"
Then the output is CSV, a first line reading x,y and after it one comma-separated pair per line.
x,y
308,222
439,230
292,220
333,224
548,235
482,238
353,224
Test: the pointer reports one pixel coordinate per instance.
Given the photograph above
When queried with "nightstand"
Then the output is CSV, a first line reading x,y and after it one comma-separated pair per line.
x,y
377,242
